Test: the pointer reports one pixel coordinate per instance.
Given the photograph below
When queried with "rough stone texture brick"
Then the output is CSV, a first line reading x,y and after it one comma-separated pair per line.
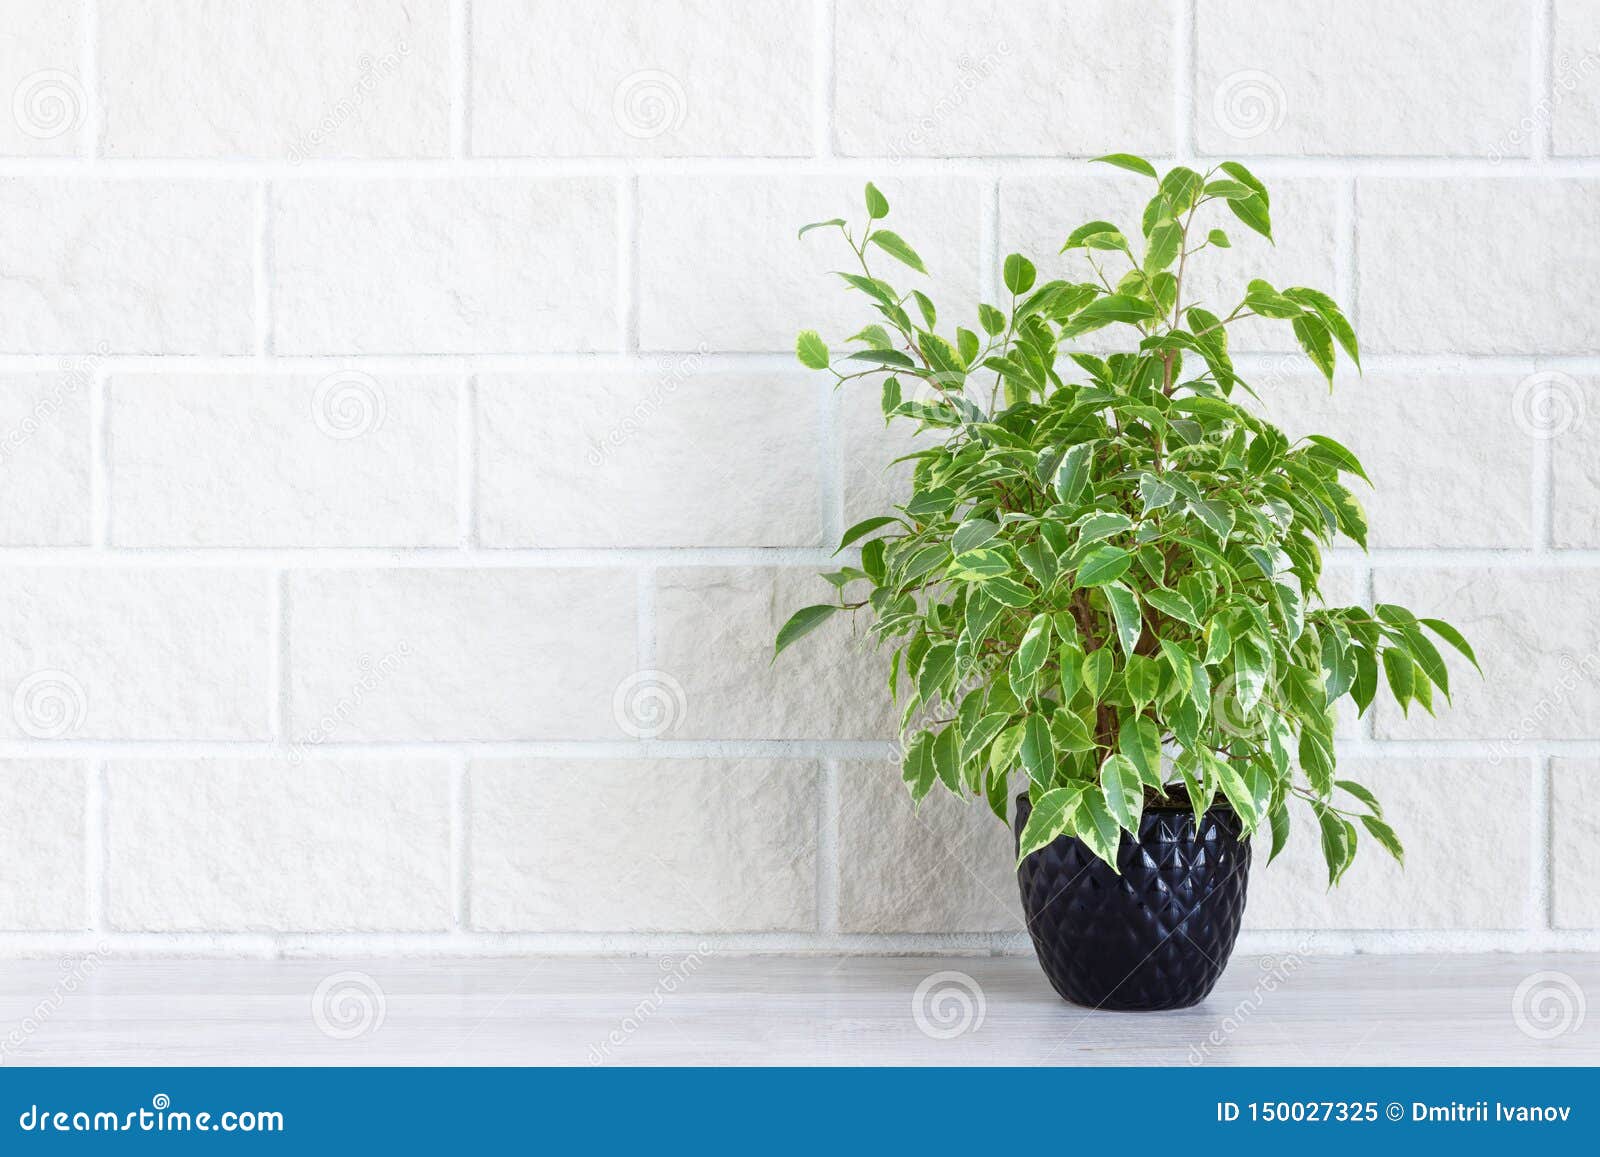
x,y
712,845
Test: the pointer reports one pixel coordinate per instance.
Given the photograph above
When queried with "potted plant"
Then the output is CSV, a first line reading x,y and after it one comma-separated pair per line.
x,y
1106,579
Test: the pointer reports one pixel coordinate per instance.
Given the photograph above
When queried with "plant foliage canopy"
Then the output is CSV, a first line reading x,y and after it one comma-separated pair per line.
x,y
1107,572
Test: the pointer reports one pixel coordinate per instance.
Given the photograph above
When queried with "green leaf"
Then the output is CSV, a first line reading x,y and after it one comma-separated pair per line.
x,y
1069,732
1219,239
895,246
937,670
1339,454
863,528
917,767
1238,793
1019,273
1102,524
1217,515
1452,636
1155,493
1128,161
1124,609
1008,591
1102,565
1401,673
1139,741
992,320
1173,605
1254,213
882,357
804,229
802,623
1098,666
1097,235
947,758
1384,834
811,350
1166,239
1073,473
1093,823
1035,646
877,203
1049,819
1330,313
1038,752
1123,791
1279,819
1314,337
971,534
978,736
1362,794
1111,308
1338,842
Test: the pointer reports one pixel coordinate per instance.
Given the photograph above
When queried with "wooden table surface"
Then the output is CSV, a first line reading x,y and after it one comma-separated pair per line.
x,y
715,1008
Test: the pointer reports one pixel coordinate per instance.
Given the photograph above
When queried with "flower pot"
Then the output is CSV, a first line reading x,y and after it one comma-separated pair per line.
x,y
1155,936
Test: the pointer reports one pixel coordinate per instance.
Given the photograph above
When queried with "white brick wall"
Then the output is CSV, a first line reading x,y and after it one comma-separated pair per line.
x,y
405,469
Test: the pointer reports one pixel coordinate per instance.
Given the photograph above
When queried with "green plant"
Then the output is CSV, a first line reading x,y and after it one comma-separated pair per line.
x,y
1107,571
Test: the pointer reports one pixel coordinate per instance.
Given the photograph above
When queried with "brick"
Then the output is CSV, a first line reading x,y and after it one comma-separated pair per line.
x,y
298,78
954,78
119,653
1565,409
1575,842
1038,213
460,654
683,457
714,635
40,61
346,458
44,458
482,265
1463,870
1488,289
1445,468
254,845
946,866
42,824
1374,78
1535,634
641,78
126,266
719,264
644,845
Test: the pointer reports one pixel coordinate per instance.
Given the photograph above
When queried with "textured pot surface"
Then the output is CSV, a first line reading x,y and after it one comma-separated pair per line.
x,y
1156,936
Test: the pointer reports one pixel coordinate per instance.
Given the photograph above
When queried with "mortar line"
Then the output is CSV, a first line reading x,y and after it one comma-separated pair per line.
x,y
461,79
989,239
828,849
461,843
1541,81
628,265
467,462
279,709
1186,53
262,301
91,129
832,456
1542,860
823,31
96,845
100,435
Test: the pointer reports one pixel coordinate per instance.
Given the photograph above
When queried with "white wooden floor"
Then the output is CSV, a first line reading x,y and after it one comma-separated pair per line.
x,y
719,1009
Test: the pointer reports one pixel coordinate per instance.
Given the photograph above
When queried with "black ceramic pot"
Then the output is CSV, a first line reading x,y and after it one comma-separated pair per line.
x,y
1155,936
